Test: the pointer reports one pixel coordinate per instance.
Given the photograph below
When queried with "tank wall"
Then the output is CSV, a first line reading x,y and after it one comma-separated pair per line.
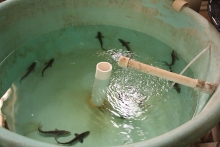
x,y
21,20
28,19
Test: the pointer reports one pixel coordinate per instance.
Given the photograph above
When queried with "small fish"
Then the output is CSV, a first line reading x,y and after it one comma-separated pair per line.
x,y
49,64
174,58
99,36
30,69
124,43
6,125
125,142
170,69
55,132
79,137
176,86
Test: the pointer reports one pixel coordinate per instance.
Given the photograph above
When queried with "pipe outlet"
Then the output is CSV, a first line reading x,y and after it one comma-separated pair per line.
x,y
101,83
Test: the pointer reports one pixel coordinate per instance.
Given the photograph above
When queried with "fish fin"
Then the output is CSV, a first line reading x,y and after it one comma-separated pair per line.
x,y
76,134
167,64
102,36
81,140
96,37
128,42
103,48
40,125
6,125
56,129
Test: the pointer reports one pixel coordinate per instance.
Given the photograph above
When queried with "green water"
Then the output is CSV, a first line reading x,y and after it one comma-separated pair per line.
x,y
138,106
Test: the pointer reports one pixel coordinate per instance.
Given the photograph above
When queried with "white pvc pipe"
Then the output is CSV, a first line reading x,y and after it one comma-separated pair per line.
x,y
195,59
101,82
190,63
178,4
194,83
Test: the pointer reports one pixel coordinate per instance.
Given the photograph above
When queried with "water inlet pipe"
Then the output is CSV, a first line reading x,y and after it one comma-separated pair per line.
x,y
177,78
178,4
190,63
101,83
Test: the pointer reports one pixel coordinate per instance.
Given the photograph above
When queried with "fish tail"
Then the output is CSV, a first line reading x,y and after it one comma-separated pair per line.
x,y
171,64
21,80
42,74
128,49
56,137
167,64
103,48
39,127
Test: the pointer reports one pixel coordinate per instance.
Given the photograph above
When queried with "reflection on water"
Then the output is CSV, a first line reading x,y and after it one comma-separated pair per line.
x,y
130,95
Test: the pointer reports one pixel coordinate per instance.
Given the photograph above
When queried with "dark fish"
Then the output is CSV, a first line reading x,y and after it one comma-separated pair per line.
x,y
49,64
55,133
6,125
125,142
124,43
99,36
174,58
79,137
30,69
170,69
176,86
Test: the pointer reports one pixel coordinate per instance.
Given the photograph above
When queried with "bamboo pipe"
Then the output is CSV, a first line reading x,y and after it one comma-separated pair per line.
x,y
194,83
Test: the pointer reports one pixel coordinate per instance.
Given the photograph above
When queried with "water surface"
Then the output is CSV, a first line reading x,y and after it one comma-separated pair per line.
x,y
138,106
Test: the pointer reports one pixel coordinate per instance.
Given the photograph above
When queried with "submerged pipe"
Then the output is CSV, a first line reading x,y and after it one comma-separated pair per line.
x,y
101,82
177,78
